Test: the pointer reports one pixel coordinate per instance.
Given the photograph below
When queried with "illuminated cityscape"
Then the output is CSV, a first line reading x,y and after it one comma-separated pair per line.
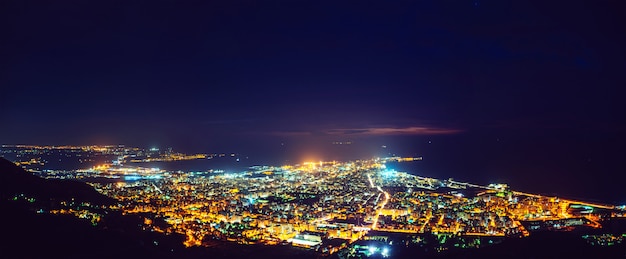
x,y
330,207
312,129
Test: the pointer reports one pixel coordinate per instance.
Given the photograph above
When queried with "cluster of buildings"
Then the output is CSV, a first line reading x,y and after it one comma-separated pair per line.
x,y
322,205
313,203
301,204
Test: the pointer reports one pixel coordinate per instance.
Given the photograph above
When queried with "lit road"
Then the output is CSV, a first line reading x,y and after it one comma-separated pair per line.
x,y
382,206
429,216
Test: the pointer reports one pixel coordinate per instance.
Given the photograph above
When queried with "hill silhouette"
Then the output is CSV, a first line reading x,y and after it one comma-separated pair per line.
x,y
14,180
547,244
28,234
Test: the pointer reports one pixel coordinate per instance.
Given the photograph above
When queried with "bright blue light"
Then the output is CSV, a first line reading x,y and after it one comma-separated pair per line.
x,y
132,177
389,173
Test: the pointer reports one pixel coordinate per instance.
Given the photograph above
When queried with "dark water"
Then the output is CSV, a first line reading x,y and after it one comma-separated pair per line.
x,y
582,164
588,165
576,165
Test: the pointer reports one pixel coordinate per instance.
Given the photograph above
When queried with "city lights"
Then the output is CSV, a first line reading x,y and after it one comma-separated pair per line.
x,y
308,204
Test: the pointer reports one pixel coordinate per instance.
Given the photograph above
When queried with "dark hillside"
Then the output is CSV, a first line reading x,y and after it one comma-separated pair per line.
x,y
15,181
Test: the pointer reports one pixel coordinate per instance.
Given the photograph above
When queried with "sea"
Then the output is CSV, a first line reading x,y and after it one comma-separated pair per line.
x,y
581,164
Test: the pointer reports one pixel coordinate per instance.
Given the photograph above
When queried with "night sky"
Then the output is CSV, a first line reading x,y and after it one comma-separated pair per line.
x,y
216,75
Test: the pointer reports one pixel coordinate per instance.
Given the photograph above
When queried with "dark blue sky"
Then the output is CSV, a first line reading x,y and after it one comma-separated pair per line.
x,y
522,92
220,73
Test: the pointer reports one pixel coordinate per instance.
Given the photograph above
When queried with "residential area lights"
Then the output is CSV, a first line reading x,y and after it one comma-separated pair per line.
x,y
339,200
310,203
